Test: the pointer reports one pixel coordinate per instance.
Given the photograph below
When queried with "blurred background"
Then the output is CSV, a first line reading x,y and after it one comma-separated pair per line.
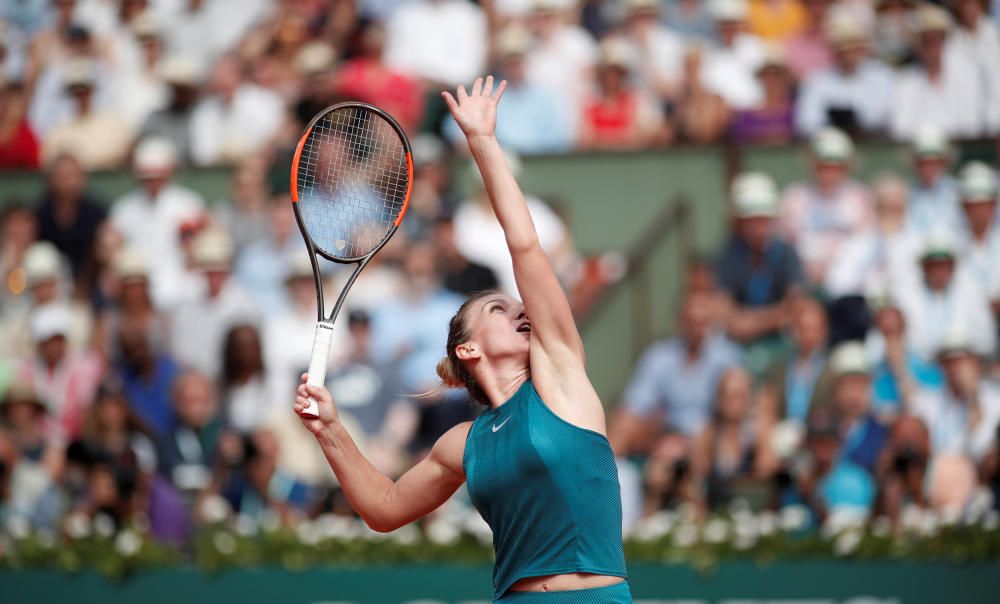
x,y
776,221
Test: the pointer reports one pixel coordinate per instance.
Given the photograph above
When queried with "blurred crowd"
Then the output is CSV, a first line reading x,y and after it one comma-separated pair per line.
x,y
838,352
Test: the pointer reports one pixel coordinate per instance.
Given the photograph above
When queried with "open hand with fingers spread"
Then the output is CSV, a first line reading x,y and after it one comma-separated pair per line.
x,y
327,410
476,112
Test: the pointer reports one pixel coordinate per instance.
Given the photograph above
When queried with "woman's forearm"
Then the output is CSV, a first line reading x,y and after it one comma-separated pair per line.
x,y
504,193
366,488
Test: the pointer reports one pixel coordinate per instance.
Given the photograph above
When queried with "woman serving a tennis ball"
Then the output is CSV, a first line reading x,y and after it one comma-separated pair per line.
x,y
537,462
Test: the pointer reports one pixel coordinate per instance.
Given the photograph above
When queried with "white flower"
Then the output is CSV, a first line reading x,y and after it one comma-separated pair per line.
x,y
77,525
654,527
686,535
215,509
18,527
794,518
767,523
244,525
405,535
128,543
716,530
442,532
847,542
307,533
881,527
980,503
46,538
951,515
786,438
911,517
269,521
991,520
744,541
224,543
929,523
841,519
104,526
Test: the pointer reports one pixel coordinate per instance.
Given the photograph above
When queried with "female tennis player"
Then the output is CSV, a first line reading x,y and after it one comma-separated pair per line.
x,y
537,462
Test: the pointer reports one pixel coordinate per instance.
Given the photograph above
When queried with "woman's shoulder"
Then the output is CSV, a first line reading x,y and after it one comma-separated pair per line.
x,y
449,450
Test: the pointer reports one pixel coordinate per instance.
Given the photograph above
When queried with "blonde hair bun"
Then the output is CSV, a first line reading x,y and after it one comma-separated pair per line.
x,y
449,376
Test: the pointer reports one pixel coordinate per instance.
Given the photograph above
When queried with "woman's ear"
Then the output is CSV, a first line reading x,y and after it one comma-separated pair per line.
x,y
467,351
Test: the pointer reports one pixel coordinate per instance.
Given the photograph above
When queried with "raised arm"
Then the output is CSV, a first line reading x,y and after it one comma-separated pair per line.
x,y
543,297
384,504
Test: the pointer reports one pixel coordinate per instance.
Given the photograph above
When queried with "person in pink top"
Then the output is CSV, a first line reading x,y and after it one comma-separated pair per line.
x,y
819,215
809,50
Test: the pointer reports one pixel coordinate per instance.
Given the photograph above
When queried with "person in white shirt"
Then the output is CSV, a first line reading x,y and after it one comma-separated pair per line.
x,y
730,68
976,40
981,250
884,255
442,41
933,191
236,119
941,90
149,218
963,415
140,88
199,326
856,93
947,301
659,51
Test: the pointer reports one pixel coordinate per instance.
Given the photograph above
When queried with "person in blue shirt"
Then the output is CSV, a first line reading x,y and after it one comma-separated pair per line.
x,y
864,436
148,379
537,462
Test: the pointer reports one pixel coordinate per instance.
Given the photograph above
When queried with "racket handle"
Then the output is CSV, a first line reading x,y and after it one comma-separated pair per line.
x,y
322,342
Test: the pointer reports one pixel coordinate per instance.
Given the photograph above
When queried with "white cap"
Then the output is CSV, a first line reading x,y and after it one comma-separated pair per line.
x,y
41,263
146,25
50,320
154,157
849,358
615,52
298,265
213,249
131,263
955,340
843,27
180,70
428,149
977,183
930,141
513,41
728,10
932,18
634,6
754,194
939,242
832,145
79,73
315,57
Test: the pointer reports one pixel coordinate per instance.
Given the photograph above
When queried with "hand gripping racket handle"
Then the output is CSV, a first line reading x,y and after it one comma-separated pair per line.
x,y
322,342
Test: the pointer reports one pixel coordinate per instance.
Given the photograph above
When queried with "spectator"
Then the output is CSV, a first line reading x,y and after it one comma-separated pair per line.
x,y
975,41
248,396
431,194
130,305
199,325
725,451
115,432
673,384
809,51
948,299
951,485
261,267
459,274
245,213
147,376
894,32
855,94
730,65
830,484
141,90
690,18
818,216
263,486
65,380
369,79
100,139
933,192
758,271
884,255
940,91
863,434
173,121
963,415
440,41
771,122
903,469
533,118
658,52
666,477
67,215
776,19
149,218
619,116
19,148
898,371
186,453
372,393
236,119
18,230
701,114
204,30
978,187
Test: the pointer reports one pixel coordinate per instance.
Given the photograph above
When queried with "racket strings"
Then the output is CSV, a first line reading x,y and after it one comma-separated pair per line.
x,y
352,179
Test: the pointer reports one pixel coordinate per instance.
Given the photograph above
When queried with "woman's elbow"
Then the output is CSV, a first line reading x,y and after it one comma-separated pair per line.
x,y
381,525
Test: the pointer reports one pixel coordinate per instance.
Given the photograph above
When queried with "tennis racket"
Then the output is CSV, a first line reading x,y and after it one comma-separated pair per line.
x,y
350,185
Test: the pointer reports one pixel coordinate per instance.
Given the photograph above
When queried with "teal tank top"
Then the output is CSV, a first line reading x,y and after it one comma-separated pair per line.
x,y
548,490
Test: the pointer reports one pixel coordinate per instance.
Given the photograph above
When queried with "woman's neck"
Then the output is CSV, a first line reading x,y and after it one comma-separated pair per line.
x,y
501,382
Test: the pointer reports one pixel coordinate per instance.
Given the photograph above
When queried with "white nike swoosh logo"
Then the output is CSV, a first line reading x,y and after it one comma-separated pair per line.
x,y
497,428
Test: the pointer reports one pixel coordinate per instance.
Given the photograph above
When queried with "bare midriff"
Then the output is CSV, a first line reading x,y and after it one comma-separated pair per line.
x,y
565,582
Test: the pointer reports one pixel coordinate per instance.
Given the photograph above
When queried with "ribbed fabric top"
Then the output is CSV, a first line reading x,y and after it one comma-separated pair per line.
x,y
548,489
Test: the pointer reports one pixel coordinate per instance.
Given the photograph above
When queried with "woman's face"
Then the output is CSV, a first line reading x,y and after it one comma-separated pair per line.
x,y
246,347
499,327
734,395
111,413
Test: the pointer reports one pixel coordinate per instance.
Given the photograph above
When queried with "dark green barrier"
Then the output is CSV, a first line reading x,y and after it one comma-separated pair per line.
x,y
731,583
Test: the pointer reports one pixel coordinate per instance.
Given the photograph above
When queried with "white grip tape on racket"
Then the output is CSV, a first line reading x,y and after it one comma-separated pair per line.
x,y
322,342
